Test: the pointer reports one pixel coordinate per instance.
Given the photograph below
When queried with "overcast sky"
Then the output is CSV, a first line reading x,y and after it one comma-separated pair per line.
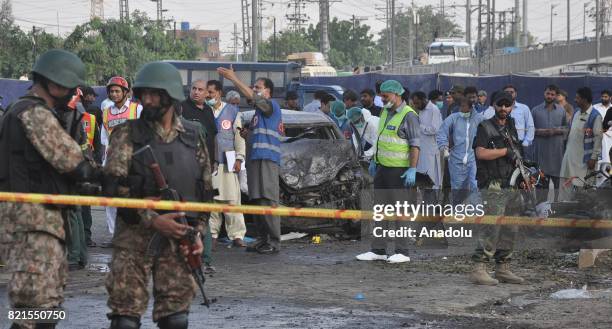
x,y
222,14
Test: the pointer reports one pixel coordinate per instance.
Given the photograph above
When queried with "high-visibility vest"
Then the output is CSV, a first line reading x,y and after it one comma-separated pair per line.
x,y
267,132
393,151
110,120
89,123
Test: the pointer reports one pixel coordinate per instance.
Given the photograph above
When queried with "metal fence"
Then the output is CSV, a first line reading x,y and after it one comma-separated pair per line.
x,y
524,61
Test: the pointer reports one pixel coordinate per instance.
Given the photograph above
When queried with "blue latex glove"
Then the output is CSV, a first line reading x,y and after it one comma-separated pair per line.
x,y
409,177
372,168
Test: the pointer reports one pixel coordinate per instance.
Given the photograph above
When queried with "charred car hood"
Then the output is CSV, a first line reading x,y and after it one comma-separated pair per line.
x,y
308,163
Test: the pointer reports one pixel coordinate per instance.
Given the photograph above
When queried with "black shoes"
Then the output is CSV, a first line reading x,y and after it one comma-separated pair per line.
x,y
255,246
262,248
267,249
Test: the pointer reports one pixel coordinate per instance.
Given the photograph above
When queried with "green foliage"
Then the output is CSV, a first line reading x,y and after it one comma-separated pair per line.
x,y
350,46
113,47
287,42
107,48
18,47
432,25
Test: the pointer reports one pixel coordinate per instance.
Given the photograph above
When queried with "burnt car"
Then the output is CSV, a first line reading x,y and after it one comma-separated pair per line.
x,y
319,168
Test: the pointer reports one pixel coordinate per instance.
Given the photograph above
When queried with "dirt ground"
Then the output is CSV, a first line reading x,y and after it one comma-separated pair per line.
x,y
316,286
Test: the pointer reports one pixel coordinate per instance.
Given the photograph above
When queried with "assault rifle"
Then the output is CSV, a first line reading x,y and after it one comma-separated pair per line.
x,y
194,262
529,188
518,159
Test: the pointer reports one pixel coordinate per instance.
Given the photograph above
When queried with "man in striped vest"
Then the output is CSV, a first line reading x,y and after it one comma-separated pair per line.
x,y
120,110
263,165
394,164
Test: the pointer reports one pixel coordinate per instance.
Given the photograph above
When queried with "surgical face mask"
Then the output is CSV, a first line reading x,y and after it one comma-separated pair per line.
x,y
388,105
341,117
259,93
440,104
211,102
359,124
465,114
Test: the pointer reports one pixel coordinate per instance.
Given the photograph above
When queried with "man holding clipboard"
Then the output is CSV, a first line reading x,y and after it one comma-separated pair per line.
x,y
229,157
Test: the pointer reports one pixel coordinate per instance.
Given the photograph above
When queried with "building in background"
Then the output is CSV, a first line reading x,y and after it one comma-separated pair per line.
x,y
207,39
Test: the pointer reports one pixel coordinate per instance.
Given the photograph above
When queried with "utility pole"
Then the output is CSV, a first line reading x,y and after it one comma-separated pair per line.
x,y
274,36
235,35
525,28
502,25
387,19
356,20
468,22
297,19
255,38
489,37
392,34
552,8
416,21
568,22
493,30
124,11
597,29
515,24
584,20
479,37
246,27
324,24
97,9
160,11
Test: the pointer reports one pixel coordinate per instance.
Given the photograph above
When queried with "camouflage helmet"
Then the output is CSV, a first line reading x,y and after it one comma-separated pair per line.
x,y
160,75
61,67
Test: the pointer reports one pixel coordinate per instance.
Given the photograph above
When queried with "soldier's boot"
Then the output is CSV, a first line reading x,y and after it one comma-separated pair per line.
x,y
125,322
503,274
174,321
479,275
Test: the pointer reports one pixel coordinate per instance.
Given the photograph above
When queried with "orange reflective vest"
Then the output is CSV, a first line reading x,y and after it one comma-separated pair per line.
x,y
89,123
110,120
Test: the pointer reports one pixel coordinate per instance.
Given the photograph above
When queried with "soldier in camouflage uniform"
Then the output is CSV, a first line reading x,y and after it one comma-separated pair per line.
x,y
183,159
496,161
39,156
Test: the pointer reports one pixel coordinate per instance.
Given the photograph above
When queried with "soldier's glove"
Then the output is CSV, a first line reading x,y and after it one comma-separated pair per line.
x,y
85,172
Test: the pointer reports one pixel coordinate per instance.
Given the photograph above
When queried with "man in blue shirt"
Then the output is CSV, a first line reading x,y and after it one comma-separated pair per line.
x,y
523,122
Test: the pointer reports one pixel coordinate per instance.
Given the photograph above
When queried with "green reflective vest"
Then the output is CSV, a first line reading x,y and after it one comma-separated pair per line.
x,y
393,151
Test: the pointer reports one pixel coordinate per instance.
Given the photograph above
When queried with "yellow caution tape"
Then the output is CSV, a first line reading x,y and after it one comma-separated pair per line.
x,y
289,211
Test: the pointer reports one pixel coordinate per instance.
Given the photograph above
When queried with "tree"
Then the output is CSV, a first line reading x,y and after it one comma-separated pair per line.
x,y
287,42
432,25
115,47
19,49
351,44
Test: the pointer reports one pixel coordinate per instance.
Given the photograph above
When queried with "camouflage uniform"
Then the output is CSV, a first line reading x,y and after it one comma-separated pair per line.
x,y
32,235
131,266
496,241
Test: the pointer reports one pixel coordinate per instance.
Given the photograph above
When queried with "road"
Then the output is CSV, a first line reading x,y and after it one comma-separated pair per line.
x,y
315,286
